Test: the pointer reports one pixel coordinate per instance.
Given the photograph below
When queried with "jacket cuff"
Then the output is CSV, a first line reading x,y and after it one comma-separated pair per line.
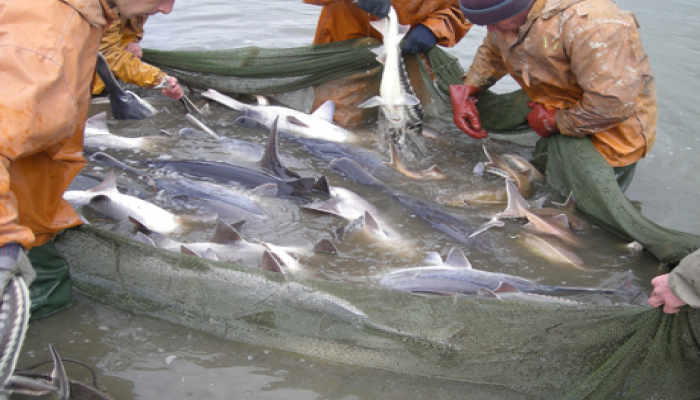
x,y
684,280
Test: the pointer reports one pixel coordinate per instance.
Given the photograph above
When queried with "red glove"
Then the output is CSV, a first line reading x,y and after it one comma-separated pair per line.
x,y
464,112
542,120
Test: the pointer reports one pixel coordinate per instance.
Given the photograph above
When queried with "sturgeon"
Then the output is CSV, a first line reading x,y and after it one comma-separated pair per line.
x,y
97,134
392,97
125,104
457,276
109,202
317,125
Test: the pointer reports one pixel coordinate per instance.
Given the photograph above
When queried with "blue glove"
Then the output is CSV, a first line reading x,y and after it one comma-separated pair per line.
x,y
378,8
419,40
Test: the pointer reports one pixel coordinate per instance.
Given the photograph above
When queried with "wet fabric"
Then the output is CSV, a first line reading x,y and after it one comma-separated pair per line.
x,y
516,350
342,20
51,290
123,64
584,58
47,59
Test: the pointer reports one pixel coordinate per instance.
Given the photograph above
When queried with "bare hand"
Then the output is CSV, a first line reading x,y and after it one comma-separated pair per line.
x,y
174,91
662,295
135,49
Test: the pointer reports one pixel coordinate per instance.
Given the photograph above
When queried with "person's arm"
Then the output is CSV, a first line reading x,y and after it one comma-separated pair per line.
x,y
446,22
487,68
125,65
684,280
607,61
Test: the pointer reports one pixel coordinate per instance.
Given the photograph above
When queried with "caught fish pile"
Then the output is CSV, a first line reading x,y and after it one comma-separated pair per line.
x,y
255,200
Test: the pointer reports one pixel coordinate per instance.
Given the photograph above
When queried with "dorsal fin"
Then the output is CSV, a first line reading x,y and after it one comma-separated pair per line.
x,y
107,185
325,246
322,186
226,234
433,258
569,204
98,123
270,160
517,206
186,250
455,258
139,236
270,263
372,224
325,111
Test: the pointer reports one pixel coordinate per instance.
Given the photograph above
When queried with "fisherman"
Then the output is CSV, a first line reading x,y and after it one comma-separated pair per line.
x,y
679,288
122,49
432,22
48,53
582,64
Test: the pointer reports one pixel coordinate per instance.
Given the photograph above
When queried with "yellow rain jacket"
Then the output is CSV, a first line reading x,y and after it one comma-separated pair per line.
x,y
48,52
584,58
342,20
125,65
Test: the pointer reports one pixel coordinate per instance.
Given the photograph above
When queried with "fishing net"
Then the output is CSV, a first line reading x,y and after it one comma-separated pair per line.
x,y
514,349
520,350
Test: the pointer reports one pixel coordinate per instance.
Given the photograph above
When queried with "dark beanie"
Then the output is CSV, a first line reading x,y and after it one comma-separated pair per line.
x,y
487,12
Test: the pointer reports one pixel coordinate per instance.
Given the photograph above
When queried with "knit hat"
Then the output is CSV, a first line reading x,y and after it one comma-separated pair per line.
x,y
487,12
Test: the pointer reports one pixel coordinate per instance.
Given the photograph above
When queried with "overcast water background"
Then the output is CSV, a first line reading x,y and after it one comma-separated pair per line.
x,y
142,358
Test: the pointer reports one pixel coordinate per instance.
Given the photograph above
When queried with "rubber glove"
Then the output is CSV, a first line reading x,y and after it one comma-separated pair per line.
x,y
542,120
464,112
172,89
419,40
378,8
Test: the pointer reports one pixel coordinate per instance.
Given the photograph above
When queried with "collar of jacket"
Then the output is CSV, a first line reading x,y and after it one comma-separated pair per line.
x,y
543,9
96,12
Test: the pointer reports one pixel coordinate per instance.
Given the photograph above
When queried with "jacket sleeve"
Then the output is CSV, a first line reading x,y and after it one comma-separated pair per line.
x,y
447,24
684,280
605,62
125,65
487,67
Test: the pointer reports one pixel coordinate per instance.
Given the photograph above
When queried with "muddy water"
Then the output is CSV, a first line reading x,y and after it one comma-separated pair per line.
x,y
138,357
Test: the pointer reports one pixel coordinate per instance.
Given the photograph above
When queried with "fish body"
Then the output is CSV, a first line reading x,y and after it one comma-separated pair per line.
x,y
392,97
125,104
511,293
456,276
97,134
317,125
551,248
432,173
106,200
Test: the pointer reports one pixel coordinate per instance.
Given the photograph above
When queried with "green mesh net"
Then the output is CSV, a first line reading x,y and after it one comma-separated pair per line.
x,y
542,351
546,350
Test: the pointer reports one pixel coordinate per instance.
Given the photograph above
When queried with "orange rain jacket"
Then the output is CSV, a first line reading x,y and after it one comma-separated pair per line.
x,y
342,20
584,58
125,65
48,52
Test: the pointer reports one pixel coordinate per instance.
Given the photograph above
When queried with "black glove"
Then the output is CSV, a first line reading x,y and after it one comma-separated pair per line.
x,y
378,8
419,40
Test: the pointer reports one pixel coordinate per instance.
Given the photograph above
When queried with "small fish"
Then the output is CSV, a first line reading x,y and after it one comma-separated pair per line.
x,y
524,165
497,164
433,172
